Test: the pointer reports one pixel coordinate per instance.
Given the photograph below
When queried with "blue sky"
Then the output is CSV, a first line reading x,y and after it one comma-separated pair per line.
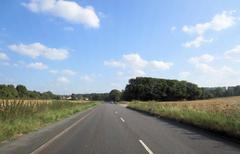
x,y
82,46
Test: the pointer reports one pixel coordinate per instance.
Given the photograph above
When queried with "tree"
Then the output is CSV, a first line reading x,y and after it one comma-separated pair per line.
x,y
145,88
115,95
22,91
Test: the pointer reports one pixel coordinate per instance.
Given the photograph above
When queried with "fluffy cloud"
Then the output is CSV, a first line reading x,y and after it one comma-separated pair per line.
x,y
37,66
134,60
200,62
233,54
206,74
63,76
159,65
136,65
67,10
206,58
219,22
197,42
3,56
212,76
37,49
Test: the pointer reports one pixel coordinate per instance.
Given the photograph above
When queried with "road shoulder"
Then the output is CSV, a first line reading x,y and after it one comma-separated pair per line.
x,y
29,142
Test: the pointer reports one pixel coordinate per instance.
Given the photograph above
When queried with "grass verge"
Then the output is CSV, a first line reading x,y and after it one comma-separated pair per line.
x,y
17,121
215,115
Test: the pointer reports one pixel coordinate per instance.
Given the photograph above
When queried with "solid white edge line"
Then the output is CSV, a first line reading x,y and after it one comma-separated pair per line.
x,y
43,146
146,147
122,119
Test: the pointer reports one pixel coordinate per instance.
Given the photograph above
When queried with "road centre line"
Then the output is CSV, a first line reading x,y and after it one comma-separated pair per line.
x,y
146,147
122,119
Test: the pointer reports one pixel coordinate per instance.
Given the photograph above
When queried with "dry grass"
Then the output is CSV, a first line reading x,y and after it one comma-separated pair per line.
x,y
221,105
22,116
221,115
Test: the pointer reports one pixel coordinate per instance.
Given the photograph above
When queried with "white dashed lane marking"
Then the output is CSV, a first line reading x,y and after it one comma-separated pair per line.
x,y
122,119
146,147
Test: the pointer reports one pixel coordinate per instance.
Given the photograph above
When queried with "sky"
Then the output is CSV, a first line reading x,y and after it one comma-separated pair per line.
x,y
84,46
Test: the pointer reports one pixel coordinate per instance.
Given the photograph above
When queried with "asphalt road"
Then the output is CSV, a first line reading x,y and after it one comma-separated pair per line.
x,y
112,129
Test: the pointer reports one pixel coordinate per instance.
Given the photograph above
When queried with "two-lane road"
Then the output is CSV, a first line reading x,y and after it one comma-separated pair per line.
x,y
111,129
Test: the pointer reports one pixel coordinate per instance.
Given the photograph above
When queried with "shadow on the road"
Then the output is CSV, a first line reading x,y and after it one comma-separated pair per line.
x,y
196,133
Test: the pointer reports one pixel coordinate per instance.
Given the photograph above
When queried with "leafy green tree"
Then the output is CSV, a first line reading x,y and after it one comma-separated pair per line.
x,y
115,95
22,91
145,88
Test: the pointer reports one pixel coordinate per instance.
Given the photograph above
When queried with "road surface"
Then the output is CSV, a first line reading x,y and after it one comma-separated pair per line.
x,y
112,129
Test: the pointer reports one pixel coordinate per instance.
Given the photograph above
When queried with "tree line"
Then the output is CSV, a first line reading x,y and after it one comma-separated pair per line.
x,y
91,96
140,88
146,88
21,92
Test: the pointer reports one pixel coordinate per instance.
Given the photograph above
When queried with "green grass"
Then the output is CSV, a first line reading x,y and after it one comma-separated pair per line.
x,y
23,117
208,116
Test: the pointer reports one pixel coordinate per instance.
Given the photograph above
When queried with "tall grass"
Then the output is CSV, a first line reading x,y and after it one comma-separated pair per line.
x,y
220,115
19,116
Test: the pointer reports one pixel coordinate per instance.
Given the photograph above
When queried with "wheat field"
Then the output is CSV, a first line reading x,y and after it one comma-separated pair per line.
x,y
220,115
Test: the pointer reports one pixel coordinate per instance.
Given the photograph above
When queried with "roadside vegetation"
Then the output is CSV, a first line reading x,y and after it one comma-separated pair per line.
x,y
18,117
220,115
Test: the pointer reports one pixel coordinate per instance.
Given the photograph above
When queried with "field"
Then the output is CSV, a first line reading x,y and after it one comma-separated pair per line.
x,y
22,116
221,115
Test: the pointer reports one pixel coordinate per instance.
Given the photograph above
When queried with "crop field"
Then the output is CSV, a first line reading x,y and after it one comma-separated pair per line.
x,y
21,116
221,115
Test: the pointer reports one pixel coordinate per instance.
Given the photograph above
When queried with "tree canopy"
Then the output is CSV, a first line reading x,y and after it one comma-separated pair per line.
x,y
115,95
146,88
21,92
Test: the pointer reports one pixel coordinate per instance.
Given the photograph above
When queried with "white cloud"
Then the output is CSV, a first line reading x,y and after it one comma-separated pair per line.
x,y
69,29
3,56
233,54
205,58
68,10
135,65
63,79
159,65
134,60
37,49
219,22
197,42
205,68
63,76
37,66
211,76
206,74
